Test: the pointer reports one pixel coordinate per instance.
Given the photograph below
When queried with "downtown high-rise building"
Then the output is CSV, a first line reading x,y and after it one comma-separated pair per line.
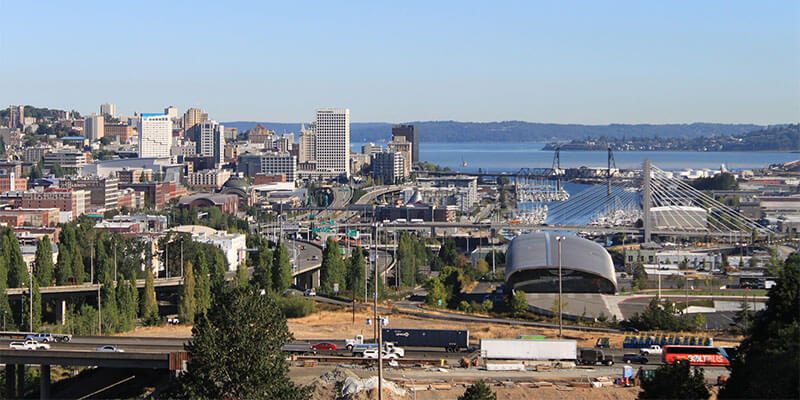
x,y
94,127
210,140
332,131
306,145
171,112
108,109
412,136
16,116
155,135
192,117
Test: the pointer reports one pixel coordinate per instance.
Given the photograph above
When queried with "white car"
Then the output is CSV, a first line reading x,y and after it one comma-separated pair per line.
x,y
654,349
310,292
110,349
373,353
28,345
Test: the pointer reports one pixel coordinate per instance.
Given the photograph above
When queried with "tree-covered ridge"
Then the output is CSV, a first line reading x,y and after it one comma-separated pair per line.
x,y
775,138
515,131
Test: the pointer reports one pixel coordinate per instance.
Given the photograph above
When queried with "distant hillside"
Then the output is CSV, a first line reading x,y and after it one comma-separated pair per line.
x,y
518,131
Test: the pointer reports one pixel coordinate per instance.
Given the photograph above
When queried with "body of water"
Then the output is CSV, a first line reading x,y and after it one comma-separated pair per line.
x,y
510,157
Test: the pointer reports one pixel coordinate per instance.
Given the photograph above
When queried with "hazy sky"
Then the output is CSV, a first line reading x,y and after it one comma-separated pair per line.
x,y
557,61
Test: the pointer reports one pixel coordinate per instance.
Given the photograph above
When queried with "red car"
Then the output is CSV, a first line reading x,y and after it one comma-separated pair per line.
x,y
324,346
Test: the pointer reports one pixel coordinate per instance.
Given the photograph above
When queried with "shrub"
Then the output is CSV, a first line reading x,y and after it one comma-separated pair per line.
x,y
296,307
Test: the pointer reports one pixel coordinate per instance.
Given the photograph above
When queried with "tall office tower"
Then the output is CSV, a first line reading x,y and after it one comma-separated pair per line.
x,y
332,129
155,135
108,109
16,116
94,127
171,112
211,141
412,136
401,146
192,117
306,146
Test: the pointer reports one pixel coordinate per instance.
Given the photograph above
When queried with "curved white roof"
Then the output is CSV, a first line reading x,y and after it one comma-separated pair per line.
x,y
540,251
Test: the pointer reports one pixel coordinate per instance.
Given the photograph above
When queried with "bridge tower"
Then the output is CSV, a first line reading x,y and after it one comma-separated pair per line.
x,y
611,162
647,199
557,166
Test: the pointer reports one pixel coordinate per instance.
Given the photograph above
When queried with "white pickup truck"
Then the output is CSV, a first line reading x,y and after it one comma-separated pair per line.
x,y
28,345
652,350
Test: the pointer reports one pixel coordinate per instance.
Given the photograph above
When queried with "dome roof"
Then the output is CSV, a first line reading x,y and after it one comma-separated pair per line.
x,y
236,182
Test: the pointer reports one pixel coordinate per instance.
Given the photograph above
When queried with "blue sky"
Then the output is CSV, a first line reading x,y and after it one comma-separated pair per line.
x,y
565,62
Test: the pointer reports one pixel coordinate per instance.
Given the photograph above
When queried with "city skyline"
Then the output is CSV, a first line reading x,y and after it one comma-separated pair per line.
x,y
593,64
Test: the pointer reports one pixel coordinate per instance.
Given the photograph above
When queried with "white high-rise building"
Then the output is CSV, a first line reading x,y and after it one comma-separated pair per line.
x,y
155,135
108,109
332,129
211,141
94,127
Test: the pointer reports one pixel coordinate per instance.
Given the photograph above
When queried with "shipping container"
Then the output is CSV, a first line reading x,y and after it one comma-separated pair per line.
x,y
522,349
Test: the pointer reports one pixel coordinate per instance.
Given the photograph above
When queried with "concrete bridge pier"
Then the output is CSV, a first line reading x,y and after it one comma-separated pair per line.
x,y
315,276
20,381
44,381
11,381
61,312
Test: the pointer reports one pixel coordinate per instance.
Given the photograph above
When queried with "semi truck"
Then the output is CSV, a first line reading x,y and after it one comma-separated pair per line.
x,y
449,339
523,349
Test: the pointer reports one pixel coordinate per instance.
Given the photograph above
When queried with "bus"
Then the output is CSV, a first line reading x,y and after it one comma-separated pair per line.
x,y
697,355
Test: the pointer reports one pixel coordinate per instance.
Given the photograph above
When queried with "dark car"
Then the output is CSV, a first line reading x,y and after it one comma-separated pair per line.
x,y
324,346
634,358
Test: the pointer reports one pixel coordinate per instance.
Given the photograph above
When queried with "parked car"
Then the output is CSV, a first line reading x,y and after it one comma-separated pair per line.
x,y
634,358
652,350
110,349
315,258
173,321
310,292
324,346
28,345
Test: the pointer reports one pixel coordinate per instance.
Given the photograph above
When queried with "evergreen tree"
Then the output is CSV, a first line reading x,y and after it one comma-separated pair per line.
x,y
25,320
78,269
44,261
767,364
478,391
371,286
5,307
262,266
187,305
448,253
127,304
149,310
235,351
241,275
108,304
332,270
203,290
675,381
281,269
355,270
218,269
17,272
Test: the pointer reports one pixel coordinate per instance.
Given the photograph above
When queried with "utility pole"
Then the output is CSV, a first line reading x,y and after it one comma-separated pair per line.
x,y
375,295
30,303
91,263
380,359
115,261
99,313
166,255
182,256
560,302
394,257
658,273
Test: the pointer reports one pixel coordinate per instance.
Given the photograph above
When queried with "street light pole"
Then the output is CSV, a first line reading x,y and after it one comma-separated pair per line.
x,y
658,273
560,302
30,303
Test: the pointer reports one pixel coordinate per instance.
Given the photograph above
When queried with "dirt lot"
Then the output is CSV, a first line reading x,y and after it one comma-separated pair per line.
x,y
338,324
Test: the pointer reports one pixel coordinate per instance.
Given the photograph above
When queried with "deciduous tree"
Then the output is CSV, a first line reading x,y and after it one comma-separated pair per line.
x,y
281,269
187,307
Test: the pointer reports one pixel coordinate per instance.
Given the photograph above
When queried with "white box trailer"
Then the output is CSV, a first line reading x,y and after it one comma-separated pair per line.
x,y
523,349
